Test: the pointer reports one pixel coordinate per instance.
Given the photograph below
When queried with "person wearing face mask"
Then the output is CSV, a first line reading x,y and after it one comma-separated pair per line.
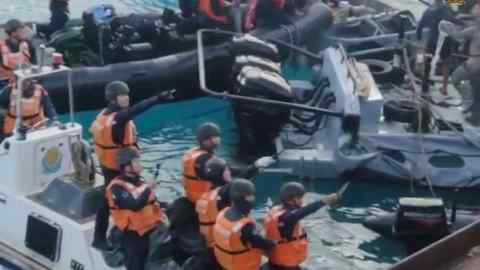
x,y
135,209
59,16
195,180
113,130
238,246
282,226
16,51
36,106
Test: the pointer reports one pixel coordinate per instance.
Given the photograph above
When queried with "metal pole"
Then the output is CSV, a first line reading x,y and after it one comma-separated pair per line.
x,y
18,111
70,97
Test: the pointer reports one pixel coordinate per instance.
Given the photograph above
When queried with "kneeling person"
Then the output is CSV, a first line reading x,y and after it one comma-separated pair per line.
x,y
35,106
134,208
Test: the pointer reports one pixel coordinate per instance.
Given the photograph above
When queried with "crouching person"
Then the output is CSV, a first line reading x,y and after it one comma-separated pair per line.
x,y
134,207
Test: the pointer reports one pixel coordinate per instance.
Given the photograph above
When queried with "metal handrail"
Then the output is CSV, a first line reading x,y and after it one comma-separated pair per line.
x,y
225,95
22,76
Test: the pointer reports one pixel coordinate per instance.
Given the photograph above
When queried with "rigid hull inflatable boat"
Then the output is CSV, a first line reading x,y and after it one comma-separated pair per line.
x,y
149,77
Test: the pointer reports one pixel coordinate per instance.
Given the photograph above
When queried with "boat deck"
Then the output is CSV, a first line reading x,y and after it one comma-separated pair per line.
x,y
469,262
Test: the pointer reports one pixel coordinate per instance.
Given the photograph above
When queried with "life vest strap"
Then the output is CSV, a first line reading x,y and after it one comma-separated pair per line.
x,y
232,252
24,117
114,146
191,177
207,223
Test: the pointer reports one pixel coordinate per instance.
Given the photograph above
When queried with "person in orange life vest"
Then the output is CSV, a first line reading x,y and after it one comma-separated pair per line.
x,y
194,179
238,246
210,204
113,130
135,209
16,50
36,106
267,13
214,13
282,226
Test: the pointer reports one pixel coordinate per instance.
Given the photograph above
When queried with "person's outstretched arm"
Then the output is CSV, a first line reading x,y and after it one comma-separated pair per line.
x,y
250,235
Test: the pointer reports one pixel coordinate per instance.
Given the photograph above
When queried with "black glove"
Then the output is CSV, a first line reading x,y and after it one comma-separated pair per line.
x,y
166,96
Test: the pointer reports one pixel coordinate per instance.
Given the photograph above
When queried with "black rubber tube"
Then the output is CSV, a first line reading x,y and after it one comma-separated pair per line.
x,y
174,71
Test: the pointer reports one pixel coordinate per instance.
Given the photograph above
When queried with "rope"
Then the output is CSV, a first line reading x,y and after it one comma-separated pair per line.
x,y
420,116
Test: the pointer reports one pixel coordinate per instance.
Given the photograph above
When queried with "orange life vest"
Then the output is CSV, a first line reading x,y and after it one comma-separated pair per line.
x,y
289,252
205,6
207,210
139,221
229,250
194,186
105,148
32,109
11,61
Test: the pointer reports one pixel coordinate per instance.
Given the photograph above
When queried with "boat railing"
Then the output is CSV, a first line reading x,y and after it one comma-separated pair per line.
x,y
35,72
226,95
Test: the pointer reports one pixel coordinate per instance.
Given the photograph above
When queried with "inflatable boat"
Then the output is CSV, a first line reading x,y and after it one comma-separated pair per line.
x,y
149,77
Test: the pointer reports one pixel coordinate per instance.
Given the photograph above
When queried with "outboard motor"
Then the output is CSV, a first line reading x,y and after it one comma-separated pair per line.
x,y
420,222
257,73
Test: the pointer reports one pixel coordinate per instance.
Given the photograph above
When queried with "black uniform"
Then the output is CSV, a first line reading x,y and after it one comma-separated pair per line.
x,y
136,246
59,16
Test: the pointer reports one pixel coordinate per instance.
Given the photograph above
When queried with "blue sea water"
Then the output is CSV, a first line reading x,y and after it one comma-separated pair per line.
x,y
337,238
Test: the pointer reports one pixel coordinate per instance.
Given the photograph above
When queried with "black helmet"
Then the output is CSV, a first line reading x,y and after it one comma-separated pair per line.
x,y
12,26
214,169
115,88
291,190
240,188
28,88
206,131
126,155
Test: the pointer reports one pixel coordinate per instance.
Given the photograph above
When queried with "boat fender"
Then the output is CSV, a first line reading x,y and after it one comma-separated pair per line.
x,y
381,70
404,111
82,159
250,45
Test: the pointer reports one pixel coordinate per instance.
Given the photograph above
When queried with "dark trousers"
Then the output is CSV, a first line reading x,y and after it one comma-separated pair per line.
x,y
426,75
103,212
475,83
276,267
136,250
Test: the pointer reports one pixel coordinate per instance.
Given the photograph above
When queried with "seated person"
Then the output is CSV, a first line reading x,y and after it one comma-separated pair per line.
x,y
16,50
36,106
59,16
220,14
268,13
